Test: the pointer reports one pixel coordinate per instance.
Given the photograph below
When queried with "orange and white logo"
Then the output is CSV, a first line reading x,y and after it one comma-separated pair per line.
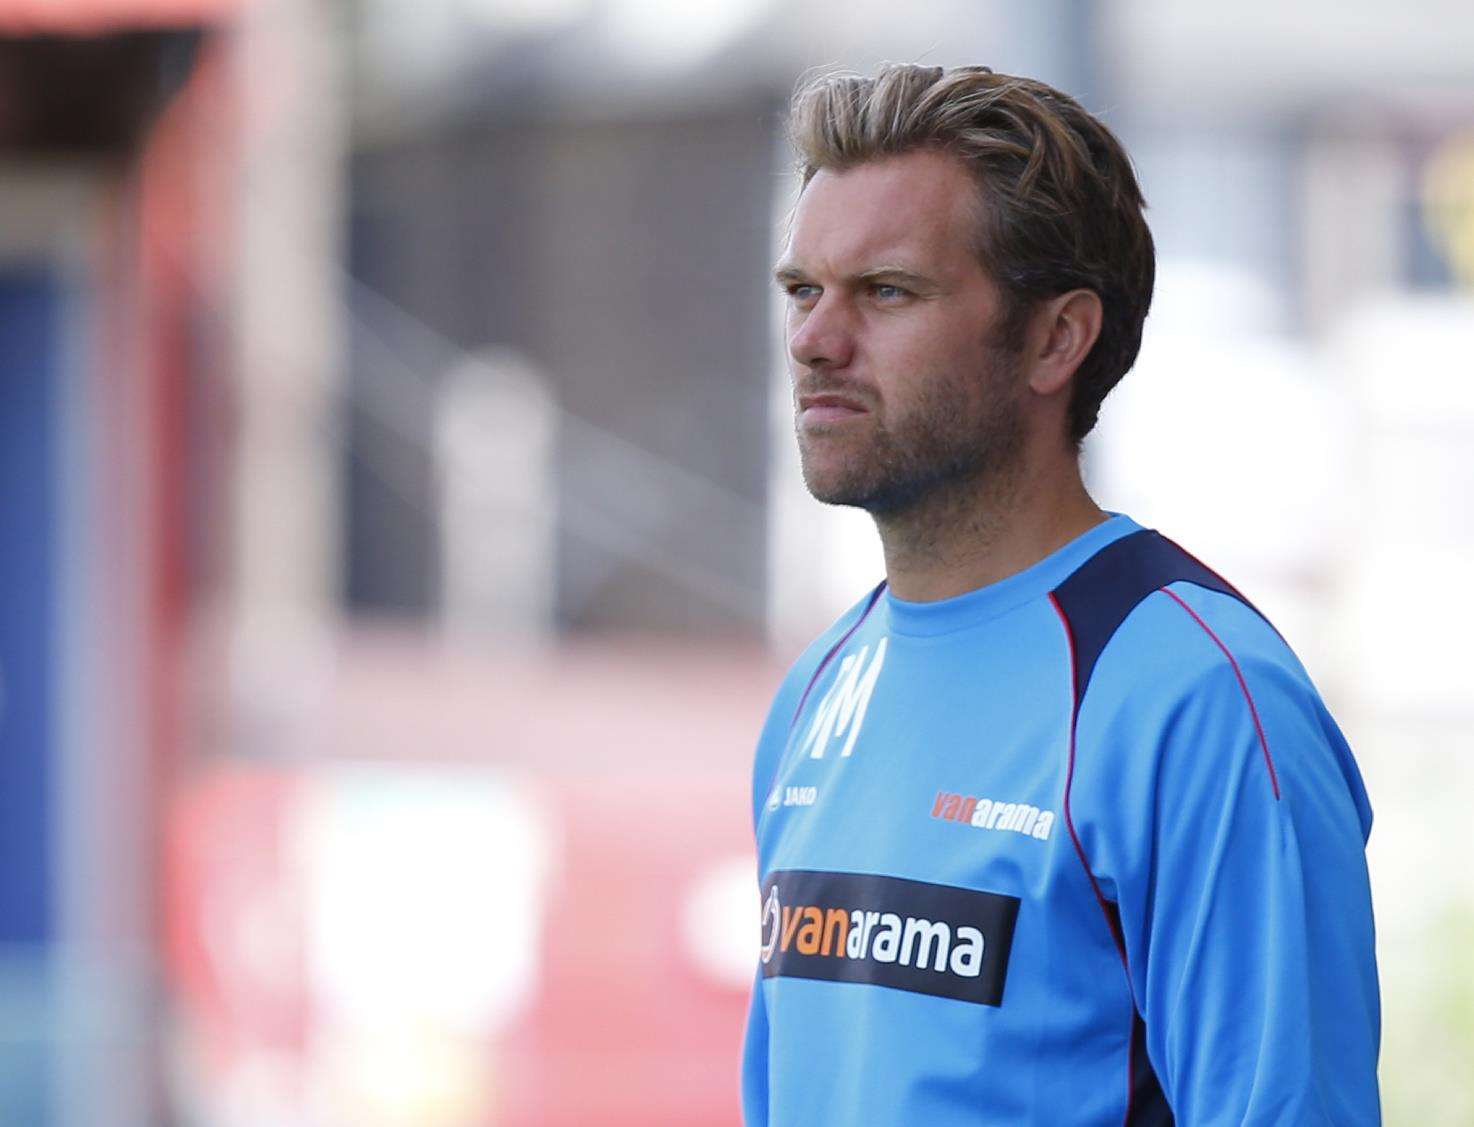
x,y
772,916
993,814
906,934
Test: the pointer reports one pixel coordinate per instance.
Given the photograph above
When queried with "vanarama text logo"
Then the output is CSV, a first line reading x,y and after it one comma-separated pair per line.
x,y
887,931
991,814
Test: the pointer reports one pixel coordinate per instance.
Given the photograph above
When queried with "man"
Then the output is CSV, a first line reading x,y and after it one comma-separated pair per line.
x,y
1053,827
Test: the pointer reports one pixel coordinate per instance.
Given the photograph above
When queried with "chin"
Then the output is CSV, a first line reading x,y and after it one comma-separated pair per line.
x,y
828,478
828,489
839,488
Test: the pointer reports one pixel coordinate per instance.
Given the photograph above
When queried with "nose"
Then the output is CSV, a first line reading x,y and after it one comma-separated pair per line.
x,y
821,336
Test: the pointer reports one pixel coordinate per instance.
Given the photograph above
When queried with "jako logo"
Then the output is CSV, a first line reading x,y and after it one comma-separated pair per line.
x,y
990,814
842,710
792,796
909,935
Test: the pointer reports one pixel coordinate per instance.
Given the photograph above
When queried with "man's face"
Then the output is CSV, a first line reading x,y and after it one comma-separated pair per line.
x,y
900,384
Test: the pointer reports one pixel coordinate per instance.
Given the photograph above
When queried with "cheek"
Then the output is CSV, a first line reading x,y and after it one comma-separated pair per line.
x,y
932,338
964,341
929,355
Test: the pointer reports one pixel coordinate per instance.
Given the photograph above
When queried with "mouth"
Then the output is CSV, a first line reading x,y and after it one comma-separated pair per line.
x,y
828,408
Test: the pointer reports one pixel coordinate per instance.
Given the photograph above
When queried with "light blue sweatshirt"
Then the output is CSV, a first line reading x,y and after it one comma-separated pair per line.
x,y
1082,846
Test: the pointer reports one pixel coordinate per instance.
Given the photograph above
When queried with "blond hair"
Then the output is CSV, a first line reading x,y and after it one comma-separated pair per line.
x,y
1060,205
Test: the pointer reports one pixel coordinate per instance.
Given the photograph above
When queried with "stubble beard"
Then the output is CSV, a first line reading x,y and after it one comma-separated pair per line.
x,y
956,445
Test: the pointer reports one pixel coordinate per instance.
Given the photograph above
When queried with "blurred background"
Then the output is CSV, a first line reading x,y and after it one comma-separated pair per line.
x,y
402,534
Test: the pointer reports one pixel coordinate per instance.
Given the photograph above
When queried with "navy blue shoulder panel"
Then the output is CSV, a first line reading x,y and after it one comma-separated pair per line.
x,y
1093,602
1107,587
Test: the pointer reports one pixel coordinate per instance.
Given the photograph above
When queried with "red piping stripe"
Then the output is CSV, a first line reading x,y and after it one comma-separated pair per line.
x,y
1070,778
1237,593
1100,899
1243,687
834,649
1232,589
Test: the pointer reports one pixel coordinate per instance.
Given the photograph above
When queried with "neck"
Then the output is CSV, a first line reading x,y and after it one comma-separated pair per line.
x,y
970,534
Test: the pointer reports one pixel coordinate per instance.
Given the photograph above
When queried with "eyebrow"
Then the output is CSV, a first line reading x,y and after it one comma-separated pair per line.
x,y
787,272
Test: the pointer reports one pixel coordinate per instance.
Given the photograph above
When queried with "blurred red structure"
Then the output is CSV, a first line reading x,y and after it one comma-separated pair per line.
x,y
633,893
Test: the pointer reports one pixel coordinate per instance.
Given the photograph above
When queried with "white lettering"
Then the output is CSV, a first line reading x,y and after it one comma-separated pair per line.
x,y
910,941
888,940
927,932
967,955
843,708
993,814
854,944
871,919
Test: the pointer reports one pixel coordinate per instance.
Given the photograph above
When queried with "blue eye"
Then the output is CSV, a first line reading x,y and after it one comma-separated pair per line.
x,y
887,292
801,291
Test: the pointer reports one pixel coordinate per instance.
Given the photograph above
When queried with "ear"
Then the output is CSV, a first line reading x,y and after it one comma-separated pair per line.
x,y
1065,328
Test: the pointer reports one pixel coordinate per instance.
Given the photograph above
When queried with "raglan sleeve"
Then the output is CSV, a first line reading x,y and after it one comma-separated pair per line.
x,y
1245,907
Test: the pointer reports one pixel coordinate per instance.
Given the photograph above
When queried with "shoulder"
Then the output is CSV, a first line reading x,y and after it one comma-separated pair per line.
x,y
1197,691
1183,641
1146,610
809,664
1166,650
797,684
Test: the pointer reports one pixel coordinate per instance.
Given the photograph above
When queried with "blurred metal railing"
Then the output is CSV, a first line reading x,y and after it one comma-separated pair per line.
x,y
394,387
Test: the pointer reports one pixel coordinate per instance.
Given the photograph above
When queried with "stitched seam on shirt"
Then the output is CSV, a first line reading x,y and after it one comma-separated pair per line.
x,y
1243,687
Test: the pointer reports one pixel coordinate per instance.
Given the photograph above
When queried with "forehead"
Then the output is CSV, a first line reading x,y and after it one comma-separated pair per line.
x,y
919,208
